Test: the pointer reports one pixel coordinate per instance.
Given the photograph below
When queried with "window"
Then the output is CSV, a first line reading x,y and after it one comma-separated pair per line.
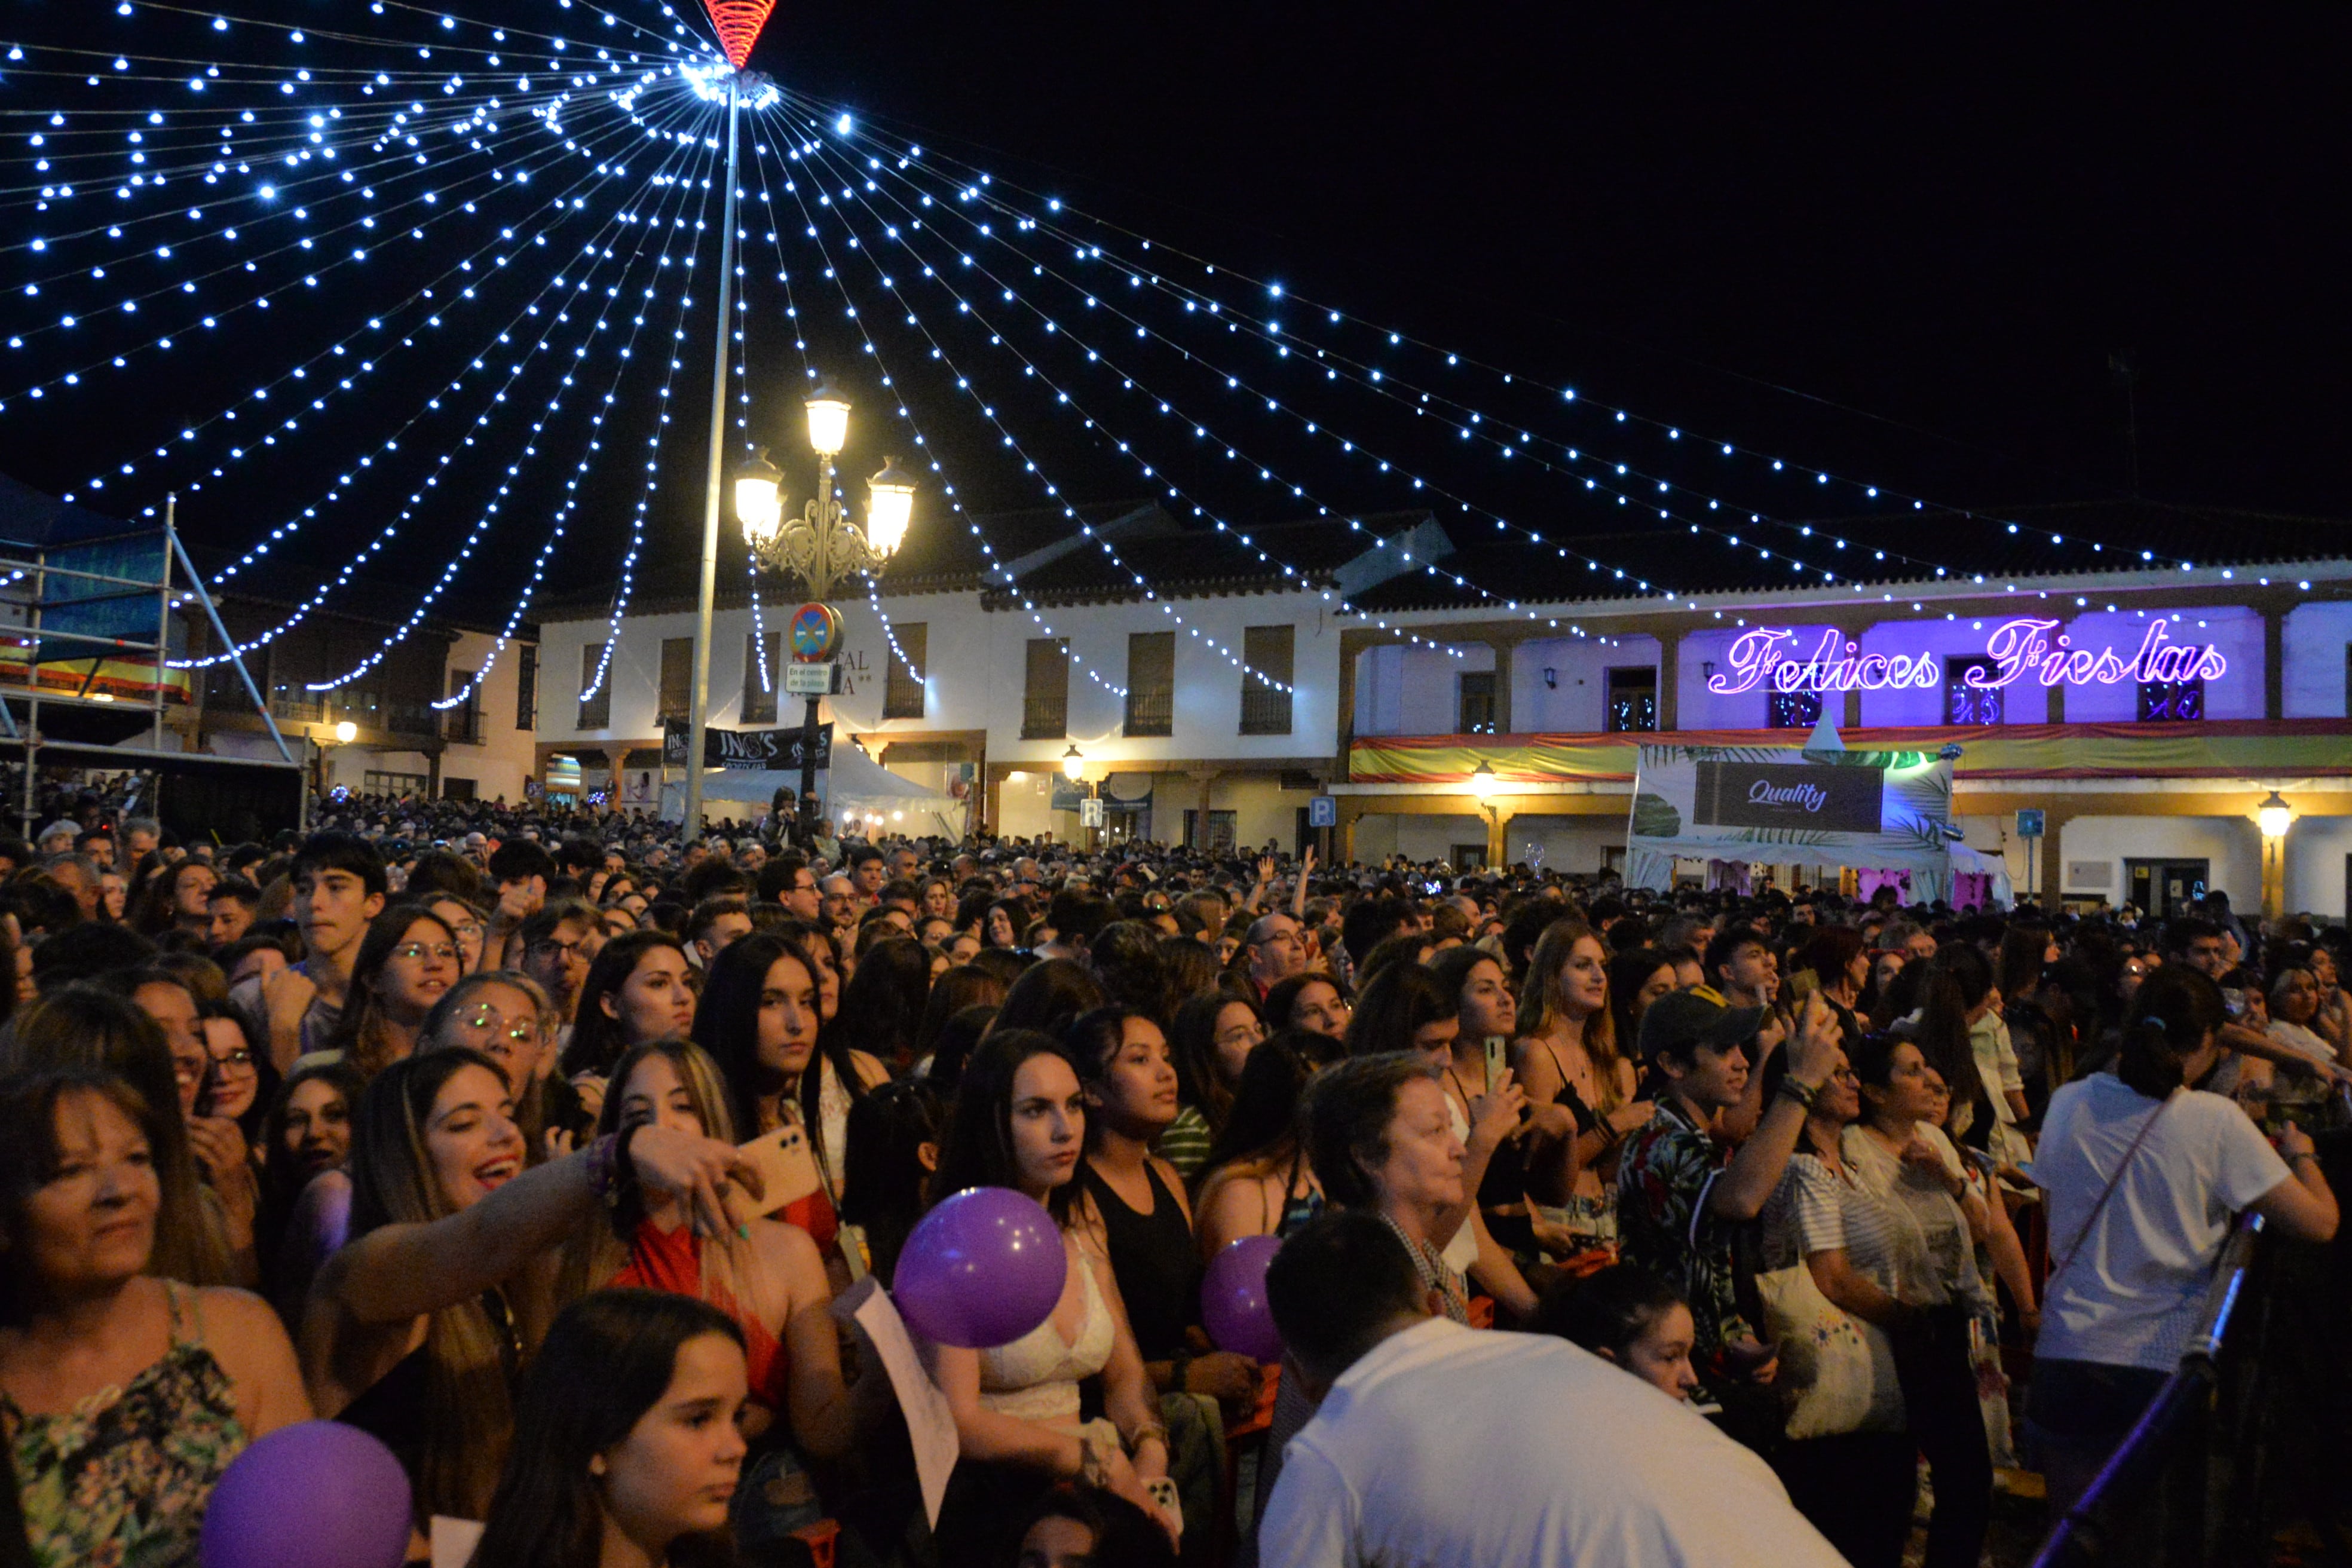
x,y
527,686
1266,684
2171,701
677,677
1632,700
1150,683
1794,710
1220,840
457,789
902,688
416,785
595,712
462,725
1045,694
761,680
1966,704
1474,707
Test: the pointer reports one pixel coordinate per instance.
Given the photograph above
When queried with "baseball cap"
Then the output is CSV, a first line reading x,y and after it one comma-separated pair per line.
x,y
1699,1015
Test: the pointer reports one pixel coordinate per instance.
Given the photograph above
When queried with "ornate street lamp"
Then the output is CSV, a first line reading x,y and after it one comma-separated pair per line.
x,y
821,547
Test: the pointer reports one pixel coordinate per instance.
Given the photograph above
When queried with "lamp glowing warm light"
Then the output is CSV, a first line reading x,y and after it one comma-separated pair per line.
x,y
889,505
346,732
1074,762
1482,782
828,422
2274,815
760,499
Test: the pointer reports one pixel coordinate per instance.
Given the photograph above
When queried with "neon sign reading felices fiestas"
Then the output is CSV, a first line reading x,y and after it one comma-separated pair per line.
x,y
2021,649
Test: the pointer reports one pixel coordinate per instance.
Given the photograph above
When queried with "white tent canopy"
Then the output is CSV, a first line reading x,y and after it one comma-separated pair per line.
x,y
853,786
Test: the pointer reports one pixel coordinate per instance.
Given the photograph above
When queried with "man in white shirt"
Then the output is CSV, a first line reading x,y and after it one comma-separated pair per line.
x,y
1440,1445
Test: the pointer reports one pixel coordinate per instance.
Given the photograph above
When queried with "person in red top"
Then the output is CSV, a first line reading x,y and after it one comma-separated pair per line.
x,y
768,1276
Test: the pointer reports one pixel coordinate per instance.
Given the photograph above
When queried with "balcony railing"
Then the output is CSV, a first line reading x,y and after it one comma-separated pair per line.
x,y
1151,712
1264,712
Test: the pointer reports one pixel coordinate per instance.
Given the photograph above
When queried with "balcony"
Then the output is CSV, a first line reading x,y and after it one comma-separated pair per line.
x,y
1149,713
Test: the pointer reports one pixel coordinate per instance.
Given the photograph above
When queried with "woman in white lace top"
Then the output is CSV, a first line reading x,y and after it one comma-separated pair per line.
x,y
1021,1123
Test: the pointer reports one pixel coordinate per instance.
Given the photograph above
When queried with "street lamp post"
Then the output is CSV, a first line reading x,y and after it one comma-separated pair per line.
x,y
820,546
705,590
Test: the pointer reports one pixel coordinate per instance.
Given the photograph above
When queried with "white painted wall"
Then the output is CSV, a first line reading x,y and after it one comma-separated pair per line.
x,y
2231,845
974,667
2318,861
504,758
2317,637
1381,834
1406,690
1578,700
1569,843
2238,632
1700,708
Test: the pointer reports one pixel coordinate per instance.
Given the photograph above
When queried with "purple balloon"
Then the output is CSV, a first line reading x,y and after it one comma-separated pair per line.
x,y
318,1494
981,1270
1234,1307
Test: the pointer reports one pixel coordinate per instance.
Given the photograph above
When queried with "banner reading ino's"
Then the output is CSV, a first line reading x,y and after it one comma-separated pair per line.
x,y
1886,810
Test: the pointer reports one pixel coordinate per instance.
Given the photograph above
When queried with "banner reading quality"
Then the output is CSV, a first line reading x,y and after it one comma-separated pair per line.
x,y
1871,810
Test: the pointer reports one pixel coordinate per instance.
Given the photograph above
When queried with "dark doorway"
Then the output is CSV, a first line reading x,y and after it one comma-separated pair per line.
x,y
2166,888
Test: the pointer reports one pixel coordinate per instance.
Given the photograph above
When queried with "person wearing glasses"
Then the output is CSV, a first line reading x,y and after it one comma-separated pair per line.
x,y
556,945
465,922
407,963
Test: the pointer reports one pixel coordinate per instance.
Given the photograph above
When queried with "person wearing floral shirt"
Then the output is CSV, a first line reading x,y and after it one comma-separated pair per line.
x,y
1683,1193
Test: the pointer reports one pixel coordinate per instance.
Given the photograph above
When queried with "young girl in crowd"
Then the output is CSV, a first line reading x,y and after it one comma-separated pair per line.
x,y
1626,1315
1259,1182
1020,1123
759,1020
414,1331
639,988
766,1276
627,1450
1211,1035
407,963
1577,1075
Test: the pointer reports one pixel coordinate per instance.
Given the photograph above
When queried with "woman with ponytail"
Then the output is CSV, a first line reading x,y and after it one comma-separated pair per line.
x,y
2145,1177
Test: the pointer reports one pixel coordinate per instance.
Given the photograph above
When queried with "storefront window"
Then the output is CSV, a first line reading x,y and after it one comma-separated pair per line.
x,y
1966,704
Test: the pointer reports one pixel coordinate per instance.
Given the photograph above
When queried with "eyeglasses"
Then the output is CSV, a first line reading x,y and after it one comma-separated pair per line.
x,y
521,1031
549,944
239,1058
412,951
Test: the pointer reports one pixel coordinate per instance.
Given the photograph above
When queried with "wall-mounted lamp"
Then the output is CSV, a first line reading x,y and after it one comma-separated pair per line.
x,y
1551,677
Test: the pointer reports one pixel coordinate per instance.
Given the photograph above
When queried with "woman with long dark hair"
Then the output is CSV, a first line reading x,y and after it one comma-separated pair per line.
x,y
768,1276
1580,1076
2145,1178
640,988
760,1021
1020,1123
1212,1037
882,1006
416,1327
1259,1181
626,1450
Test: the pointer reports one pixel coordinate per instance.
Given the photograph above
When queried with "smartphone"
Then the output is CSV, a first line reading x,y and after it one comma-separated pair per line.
x,y
1496,1064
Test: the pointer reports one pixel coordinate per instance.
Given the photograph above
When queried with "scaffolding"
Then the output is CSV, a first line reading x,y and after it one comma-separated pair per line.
x,y
81,589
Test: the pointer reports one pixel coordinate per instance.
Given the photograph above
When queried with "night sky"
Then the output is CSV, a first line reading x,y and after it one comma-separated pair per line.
x,y
1908,246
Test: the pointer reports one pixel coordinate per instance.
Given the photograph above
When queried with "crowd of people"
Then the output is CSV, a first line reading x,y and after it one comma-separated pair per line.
x,y
1711,1226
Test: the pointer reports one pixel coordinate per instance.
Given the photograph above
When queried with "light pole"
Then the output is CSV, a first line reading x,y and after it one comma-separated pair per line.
x,y
820,546
698,709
